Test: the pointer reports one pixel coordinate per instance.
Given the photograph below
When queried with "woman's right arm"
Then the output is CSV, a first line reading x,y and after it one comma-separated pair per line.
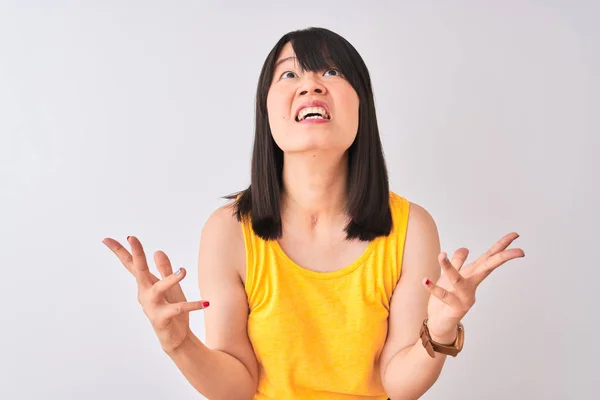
x,y
226,367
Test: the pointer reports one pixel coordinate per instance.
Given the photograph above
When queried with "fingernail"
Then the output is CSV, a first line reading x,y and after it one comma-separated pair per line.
x,y
206,304
446,259
427,281
128,238
178,272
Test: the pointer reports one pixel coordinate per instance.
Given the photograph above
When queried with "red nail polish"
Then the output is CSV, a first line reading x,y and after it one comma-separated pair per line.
x,y
427,281
206,304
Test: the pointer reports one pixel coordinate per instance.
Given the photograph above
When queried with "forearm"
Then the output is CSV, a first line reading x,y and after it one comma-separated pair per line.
x,y
411,372
215,374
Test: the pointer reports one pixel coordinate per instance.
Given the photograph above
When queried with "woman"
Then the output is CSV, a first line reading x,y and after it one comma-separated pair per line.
x,y
320,280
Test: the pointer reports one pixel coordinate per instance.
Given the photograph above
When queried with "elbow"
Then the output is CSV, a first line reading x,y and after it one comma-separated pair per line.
x,y
401,383
406,389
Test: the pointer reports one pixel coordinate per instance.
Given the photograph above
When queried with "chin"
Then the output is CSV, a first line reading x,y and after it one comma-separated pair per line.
x,y
309,140
313,148
303,142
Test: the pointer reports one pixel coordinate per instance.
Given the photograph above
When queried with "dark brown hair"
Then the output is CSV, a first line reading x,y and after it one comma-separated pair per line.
x,y
368,188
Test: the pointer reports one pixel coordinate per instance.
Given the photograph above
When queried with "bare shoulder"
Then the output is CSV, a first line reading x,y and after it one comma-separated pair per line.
x,y
223,234
420,219
422,232
422,243
223,221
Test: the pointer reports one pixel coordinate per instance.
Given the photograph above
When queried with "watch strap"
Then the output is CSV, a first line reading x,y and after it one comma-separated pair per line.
x,y
433,347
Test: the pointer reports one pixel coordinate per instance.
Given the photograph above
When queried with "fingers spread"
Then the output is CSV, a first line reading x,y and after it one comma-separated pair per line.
x,y
175,309
163,264
140,265
450,270
160,288
442,294
503,243
459,257
498,259
500,245
121,252
175,295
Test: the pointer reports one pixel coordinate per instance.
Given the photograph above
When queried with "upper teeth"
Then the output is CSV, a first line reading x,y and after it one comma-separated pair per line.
x,y
312,110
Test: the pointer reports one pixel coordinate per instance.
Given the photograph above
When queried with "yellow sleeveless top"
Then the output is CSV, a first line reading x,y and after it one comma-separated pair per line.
x,y
319,335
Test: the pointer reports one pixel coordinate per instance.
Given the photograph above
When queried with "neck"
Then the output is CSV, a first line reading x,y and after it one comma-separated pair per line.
x,y
314,187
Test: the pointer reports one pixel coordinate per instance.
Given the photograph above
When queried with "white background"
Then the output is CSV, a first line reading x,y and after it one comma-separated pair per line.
x,y
133,117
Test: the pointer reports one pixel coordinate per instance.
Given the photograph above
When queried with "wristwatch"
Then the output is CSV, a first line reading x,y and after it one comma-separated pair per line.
x,y
433,347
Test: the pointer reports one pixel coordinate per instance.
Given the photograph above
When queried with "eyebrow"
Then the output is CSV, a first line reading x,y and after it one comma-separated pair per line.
x,y
283,60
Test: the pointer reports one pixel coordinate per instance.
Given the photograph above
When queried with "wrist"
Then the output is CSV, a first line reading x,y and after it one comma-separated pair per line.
x,y
443,335
447,339
188,341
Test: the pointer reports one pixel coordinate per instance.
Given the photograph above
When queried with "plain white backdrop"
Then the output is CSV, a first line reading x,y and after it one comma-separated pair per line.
x,y
133,117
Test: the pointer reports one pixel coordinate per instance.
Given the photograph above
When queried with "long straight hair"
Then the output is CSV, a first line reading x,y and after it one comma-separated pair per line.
x,y
367,186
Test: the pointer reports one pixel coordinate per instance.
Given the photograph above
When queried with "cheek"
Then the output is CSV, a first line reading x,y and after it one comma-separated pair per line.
x,y
350,106
347,98
351,118
278,115
353,102
276,107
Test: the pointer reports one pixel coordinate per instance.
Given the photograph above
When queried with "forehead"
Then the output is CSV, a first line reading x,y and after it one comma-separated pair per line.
x,y
286,54
286,51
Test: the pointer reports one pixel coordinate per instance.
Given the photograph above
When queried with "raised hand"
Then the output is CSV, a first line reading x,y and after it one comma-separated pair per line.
x,y
454,293
163,300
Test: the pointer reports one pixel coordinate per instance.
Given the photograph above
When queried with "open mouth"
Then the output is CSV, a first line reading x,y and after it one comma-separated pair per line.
x,y
312,113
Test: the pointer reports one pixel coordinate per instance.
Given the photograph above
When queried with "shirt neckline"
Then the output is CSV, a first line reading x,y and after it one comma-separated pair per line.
x,y
326,275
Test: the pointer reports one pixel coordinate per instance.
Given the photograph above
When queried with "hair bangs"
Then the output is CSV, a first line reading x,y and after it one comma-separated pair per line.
x,y
317,50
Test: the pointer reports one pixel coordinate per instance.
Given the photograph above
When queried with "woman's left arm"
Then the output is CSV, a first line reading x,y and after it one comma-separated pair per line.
x,y
407,370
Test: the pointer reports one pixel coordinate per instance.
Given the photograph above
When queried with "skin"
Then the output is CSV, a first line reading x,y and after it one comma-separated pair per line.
x,y
162,300
314,175
290,88
454,294
315,163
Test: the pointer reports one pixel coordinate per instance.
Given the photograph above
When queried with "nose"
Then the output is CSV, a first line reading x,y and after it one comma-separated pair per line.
x,y
311,84
316,90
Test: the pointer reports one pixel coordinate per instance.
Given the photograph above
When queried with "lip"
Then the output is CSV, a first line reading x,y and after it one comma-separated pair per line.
x,y
313,103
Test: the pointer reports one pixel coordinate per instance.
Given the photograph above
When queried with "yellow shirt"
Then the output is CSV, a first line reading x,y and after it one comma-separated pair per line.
x,y
319,335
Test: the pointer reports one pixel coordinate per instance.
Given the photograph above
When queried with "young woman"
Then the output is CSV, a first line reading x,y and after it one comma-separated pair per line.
x,y
322,283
